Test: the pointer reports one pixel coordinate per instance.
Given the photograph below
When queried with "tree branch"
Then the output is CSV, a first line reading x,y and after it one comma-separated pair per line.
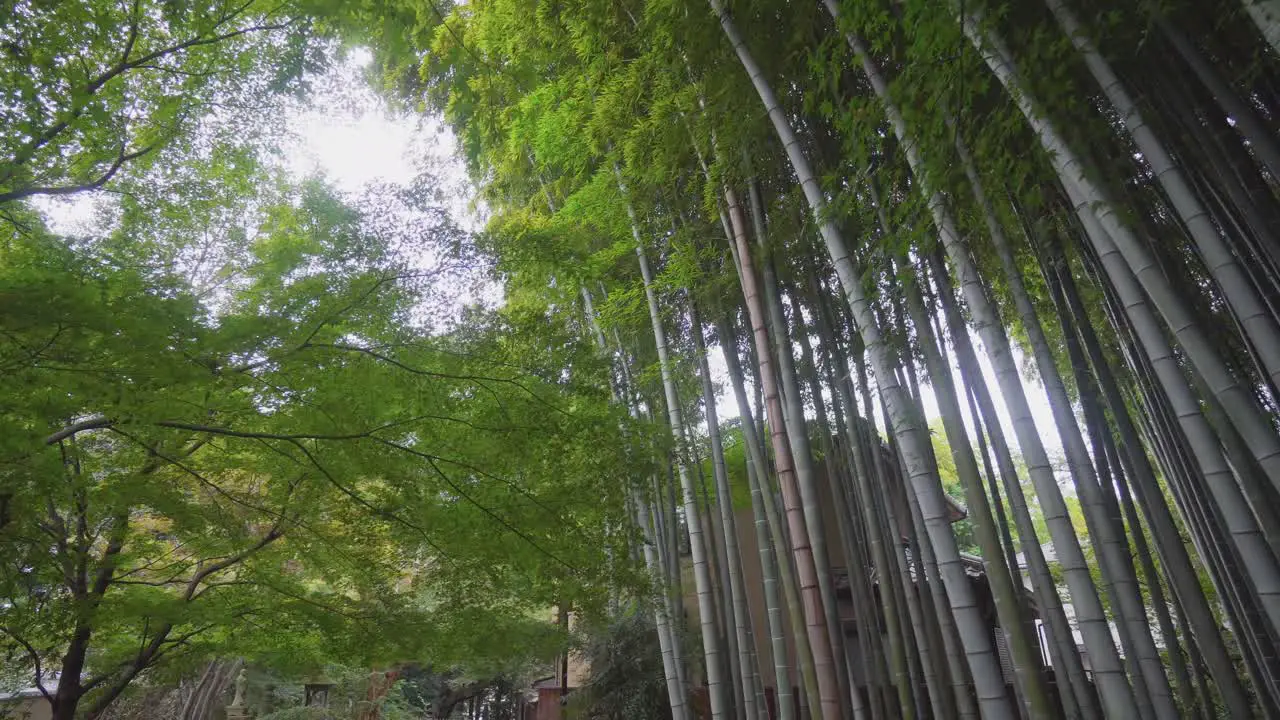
x,y
271,536
90,423
118,163
135,19
144,658
487,511
121,67
106,564
377,511
149,653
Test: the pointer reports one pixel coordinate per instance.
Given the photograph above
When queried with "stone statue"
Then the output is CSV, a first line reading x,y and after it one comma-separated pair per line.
x,y
242,680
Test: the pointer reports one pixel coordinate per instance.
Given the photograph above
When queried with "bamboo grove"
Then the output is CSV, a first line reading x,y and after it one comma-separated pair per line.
x,y
848,204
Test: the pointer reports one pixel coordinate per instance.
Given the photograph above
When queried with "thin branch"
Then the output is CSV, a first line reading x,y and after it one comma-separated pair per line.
x,y
140,662
199,477
250,434
225,583
275,515
479,471
106,563
135,19
306,342
121,67
498,518
35,659
377,511
431,373
183,73
33,355
316,603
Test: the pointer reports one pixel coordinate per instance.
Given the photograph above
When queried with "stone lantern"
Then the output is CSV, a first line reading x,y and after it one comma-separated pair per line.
x,y
317,691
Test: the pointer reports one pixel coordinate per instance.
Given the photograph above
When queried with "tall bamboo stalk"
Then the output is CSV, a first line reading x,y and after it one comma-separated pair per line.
x,y
716,689
855,449
797,436
1164,530
1117,245
835,479
801,550
1247,122
1266,15
1258,324
992,696
1008,603
773,549
750,681
667,638
991,330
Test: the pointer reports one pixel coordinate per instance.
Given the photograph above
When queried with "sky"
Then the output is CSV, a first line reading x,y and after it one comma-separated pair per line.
x,y
350,136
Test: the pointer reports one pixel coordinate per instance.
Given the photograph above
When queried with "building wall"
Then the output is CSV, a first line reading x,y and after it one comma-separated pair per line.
x,y
578,669
548,707
753,582
26,709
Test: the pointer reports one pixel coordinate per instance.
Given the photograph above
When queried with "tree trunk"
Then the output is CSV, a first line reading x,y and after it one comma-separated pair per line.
x,y
993,483
883,500
872,481
1112,551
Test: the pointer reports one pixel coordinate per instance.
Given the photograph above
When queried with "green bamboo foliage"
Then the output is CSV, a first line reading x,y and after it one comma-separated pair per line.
x,y
1083,193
